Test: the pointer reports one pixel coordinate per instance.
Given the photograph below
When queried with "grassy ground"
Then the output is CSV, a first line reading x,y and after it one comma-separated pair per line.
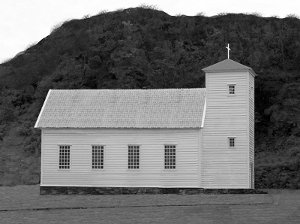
x,y
23,204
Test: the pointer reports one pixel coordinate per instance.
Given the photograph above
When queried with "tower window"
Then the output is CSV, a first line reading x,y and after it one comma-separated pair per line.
x,y
231,141
231,89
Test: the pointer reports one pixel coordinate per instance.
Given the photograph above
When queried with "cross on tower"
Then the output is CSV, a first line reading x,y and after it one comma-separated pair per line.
x,y
228,49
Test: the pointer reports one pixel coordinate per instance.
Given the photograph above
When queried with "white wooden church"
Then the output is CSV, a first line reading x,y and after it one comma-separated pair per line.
x,y
160,138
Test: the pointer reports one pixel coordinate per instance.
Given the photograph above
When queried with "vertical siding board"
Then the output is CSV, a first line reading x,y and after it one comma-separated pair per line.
x,y
251,128
247,99
200,156
42,157
226,116
115,172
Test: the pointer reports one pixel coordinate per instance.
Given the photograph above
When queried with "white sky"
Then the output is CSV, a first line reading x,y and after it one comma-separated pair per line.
x,y
24,22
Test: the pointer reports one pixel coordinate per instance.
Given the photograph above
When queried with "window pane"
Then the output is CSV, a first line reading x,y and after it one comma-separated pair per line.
x,y
170,156
231,89
133,157
97,157
64,157
231,142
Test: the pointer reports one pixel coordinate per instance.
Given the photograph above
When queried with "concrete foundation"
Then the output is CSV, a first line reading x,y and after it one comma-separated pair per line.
x,y
47,190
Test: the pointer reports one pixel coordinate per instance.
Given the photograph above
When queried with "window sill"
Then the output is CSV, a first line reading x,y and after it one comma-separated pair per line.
x,y
134,170
169,170
97,170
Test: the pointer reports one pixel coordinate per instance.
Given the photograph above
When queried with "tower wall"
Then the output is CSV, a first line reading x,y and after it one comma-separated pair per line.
x,y
227,116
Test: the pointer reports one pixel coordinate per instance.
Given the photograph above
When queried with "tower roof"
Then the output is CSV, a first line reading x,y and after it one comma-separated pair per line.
x,y
228,65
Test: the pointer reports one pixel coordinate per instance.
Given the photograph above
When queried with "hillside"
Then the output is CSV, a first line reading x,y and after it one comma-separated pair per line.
x,y
146,48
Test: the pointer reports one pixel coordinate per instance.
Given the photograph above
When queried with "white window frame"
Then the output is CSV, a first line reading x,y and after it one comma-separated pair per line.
x,y
229,142
230,93
170,157
98,163
134,157
64,157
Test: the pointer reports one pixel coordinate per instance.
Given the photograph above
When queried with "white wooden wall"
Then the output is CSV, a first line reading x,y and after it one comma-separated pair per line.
x,y
115,173
226,116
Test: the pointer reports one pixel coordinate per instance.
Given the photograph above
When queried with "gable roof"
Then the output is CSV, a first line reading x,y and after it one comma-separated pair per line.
x,y
151,108
228,65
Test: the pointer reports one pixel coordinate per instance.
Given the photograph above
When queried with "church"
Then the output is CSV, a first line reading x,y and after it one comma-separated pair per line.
x,y
152,138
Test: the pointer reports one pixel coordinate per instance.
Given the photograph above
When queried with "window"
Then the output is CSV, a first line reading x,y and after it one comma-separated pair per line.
x,y
231,89
97,157
64,157
231,142
133,157
170,156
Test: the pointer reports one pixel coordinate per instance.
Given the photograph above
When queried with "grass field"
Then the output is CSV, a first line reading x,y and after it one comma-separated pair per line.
x,y
23,204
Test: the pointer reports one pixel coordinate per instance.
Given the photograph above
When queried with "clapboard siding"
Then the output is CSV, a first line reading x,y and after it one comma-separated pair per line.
x,y
251,129
115,172
226,116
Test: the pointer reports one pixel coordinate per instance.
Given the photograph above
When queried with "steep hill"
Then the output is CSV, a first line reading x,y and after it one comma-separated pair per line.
x,y
146,48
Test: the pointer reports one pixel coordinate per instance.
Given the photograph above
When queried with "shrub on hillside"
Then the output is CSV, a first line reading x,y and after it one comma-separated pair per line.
x,y
32,143
32,137
25,129
3,129
284,175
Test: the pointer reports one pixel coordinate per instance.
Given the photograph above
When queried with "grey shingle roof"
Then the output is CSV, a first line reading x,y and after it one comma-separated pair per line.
x,y
228,65
151,108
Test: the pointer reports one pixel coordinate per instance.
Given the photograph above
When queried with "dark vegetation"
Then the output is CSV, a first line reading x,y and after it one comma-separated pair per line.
x,y
146,48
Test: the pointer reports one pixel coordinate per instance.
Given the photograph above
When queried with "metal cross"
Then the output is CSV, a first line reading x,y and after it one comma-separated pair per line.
x,y
228,49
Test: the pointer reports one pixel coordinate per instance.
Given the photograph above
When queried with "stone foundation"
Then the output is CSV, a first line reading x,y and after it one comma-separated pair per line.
x,y
141,190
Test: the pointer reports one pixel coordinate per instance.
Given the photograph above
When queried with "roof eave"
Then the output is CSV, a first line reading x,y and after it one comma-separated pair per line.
x,y
39,117
196,127
229,70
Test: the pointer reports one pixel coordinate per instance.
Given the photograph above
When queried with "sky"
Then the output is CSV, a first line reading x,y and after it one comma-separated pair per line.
x,y
25,22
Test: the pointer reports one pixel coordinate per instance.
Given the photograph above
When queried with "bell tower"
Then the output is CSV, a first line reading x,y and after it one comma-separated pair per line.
x,y
228,133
